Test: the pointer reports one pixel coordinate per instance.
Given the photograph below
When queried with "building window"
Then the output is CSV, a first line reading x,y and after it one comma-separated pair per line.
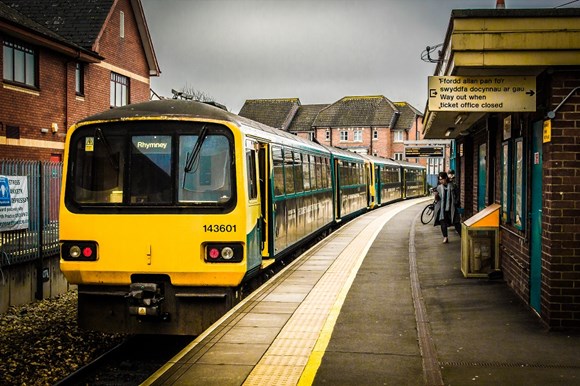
x,y
344,135
80,79
398,156
358,136
12,132
20,63
398,136
119,90
375,134
122,24
327,135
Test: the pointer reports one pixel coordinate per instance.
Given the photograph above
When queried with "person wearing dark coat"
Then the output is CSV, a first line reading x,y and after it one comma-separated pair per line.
x,y
446,211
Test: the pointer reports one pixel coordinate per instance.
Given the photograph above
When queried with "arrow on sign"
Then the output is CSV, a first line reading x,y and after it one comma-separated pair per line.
x,y
530,93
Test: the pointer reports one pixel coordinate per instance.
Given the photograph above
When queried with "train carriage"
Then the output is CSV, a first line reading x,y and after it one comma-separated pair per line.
x,y
414,177
386,184
351,194
169,208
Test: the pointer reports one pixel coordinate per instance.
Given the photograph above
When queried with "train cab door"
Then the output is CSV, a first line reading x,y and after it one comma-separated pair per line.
x,y
255,239
265,199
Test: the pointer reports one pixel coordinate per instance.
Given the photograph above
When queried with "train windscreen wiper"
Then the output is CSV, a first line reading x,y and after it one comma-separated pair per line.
x,y
192,161
114,162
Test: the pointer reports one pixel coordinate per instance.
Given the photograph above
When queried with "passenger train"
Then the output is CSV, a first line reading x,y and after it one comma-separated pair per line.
x,y
169,208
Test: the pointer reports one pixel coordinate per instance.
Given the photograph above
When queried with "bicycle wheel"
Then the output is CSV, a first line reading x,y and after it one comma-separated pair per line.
x,y
427,214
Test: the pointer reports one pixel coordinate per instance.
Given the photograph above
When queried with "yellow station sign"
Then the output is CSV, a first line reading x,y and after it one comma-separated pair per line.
x,y
482,93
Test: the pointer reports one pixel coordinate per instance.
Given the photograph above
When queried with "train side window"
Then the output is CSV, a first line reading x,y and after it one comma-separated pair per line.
x,y
288,171
306,171
298,175
278,162
251,169
327,171
317,172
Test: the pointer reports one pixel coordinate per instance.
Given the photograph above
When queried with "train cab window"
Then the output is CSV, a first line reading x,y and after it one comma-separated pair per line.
x,y
151,179
278,162
204,169
251,170
99,168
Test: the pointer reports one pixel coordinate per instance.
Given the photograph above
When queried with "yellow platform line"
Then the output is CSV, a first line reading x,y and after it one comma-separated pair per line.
x,y
288,370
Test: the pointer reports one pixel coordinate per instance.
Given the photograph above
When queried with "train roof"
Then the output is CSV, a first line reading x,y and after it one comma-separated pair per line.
x,y
410,165
177,108
381,160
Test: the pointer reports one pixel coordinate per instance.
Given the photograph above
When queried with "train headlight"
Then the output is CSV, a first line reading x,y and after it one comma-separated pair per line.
x,y
79,251
227,253
224,253
74,252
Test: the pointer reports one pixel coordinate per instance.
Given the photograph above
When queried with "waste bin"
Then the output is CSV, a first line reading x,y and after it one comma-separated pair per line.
x,y
480,243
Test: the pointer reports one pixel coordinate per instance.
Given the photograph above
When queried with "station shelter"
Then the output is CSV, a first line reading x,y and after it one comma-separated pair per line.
x,y
506,89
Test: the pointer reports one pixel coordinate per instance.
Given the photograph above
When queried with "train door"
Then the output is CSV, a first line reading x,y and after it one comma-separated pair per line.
x,y
337,195
378,183
265,199
254,240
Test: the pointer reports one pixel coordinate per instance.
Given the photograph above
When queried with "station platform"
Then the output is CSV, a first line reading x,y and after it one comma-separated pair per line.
x,y
381,301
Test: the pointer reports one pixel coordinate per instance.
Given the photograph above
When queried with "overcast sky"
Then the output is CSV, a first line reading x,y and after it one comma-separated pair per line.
x,y
318,51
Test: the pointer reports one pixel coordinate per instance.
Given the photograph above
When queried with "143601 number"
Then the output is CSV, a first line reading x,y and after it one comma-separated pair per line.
x,y
219,228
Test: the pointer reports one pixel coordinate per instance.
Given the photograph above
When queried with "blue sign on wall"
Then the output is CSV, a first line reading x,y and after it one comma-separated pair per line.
x,y
4,192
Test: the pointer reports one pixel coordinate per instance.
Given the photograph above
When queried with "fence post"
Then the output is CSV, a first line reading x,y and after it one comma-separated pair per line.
x,y
39,294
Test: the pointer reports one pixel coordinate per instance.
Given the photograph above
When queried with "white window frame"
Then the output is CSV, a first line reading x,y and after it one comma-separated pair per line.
x,y
398,136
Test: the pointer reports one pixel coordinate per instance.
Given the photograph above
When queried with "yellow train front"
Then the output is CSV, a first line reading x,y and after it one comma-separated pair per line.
x,y
160,223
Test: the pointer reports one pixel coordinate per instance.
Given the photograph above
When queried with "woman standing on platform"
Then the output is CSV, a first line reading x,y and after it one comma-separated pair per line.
x,y
446,213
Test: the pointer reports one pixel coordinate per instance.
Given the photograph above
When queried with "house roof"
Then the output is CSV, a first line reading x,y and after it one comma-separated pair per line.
x,y
408,115
277,113
358,111
305,117
78,22
15,23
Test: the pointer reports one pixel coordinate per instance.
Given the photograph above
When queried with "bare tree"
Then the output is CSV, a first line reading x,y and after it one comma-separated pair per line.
x,y
191,93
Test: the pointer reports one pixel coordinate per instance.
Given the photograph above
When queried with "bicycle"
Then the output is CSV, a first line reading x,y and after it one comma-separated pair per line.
x,y
428,213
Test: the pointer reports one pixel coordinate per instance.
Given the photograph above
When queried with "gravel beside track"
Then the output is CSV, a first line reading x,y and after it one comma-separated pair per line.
x,y
41,343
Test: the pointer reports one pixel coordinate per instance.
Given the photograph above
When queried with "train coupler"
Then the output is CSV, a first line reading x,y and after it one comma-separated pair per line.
x,y
145,300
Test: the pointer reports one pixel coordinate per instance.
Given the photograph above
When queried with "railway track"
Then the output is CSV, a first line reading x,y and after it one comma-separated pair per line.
x,y
129,363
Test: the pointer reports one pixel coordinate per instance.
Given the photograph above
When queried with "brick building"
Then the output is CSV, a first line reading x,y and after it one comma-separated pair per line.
x,y
363,124
63,60
526,161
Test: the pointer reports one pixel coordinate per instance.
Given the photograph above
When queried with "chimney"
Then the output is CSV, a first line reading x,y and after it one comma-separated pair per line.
x,y
500,4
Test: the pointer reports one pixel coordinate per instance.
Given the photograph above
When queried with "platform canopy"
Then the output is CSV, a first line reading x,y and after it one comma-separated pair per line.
x,y
513,44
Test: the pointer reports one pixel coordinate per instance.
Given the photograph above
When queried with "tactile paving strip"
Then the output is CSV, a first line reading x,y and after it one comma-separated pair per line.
x,y
284,362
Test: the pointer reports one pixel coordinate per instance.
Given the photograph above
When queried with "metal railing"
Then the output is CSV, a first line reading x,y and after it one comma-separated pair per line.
x,y
40,238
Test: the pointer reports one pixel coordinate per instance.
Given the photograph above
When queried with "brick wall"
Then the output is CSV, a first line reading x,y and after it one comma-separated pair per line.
x,y
561,215
55,100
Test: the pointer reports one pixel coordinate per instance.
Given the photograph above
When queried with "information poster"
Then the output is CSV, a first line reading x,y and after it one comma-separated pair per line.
x,y
14,208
